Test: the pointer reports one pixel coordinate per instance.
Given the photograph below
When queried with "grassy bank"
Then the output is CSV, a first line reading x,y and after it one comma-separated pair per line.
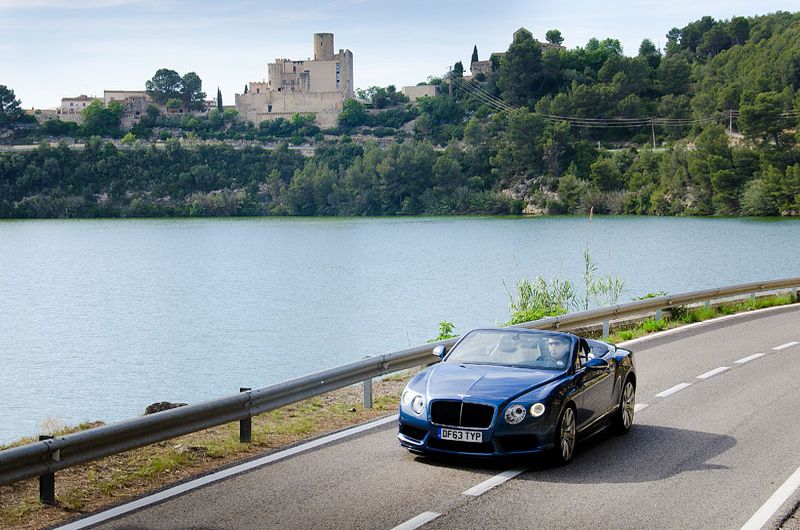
x,y
119,478
115,479
680,316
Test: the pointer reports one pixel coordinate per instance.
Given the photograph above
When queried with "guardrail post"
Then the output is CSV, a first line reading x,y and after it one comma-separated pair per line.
x,y
367,385
47,483
245,425
658,314
707,304
793,296
367,393
605,329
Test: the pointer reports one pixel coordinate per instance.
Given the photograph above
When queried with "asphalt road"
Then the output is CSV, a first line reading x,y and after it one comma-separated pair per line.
x,y
707,455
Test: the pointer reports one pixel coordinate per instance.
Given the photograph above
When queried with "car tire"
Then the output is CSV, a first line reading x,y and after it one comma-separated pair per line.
x,y
623,417
566,436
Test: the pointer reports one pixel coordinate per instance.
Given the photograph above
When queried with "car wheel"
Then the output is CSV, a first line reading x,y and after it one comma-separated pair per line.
x,y
566,434
623,419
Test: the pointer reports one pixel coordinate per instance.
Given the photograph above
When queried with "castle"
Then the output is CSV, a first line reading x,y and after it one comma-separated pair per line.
x,y
320,86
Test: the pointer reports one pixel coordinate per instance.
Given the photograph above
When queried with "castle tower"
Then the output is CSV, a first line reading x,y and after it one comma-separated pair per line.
x,y
323,46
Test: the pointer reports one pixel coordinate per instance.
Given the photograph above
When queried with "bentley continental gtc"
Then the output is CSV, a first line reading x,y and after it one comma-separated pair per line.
x,y
515,392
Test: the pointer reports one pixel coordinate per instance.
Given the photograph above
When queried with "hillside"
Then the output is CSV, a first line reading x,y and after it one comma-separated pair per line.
x,y
553,131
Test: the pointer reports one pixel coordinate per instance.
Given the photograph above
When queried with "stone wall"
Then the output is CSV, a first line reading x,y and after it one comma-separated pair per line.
x,y
413,93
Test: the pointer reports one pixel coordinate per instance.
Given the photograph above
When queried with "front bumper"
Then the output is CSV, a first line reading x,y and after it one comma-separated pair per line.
x,y
419,436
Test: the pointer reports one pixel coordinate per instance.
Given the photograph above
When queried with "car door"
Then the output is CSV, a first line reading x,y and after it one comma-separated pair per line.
x,y
596,388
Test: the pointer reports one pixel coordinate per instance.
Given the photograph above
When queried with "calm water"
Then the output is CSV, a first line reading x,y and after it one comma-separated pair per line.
x,y
100,318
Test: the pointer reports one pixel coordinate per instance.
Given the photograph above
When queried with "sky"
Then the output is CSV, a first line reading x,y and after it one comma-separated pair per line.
x,y
50,49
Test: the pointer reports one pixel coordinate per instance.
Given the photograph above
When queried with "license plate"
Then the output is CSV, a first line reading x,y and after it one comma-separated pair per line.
x,y
461,436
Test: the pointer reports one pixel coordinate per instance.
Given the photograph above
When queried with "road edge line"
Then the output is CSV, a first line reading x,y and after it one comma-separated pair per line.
x,y
216,476
773,504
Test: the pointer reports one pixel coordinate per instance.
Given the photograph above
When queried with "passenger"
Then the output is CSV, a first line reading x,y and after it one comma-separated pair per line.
x,y
507,350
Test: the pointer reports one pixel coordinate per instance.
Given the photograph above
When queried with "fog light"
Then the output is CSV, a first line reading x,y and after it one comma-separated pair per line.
x,y
537,409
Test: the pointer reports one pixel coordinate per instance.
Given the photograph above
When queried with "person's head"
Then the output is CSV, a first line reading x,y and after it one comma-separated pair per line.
x,y
508,343
528,340
558,347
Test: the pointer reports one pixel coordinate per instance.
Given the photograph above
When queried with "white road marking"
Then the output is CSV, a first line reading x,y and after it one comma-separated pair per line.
x,y
784,346
496,480
640,406
670,391
750,358
712,373
219,475
416,522
772,505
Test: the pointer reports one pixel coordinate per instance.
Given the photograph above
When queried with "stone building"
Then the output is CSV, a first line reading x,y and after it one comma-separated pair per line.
x,y
134,104
320,86
413,93
485,67
75,105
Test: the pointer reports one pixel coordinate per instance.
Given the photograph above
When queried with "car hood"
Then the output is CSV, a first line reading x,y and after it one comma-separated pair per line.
x,y
480,382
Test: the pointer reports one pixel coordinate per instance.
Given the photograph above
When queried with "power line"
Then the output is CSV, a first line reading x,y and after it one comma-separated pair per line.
x,y
474,89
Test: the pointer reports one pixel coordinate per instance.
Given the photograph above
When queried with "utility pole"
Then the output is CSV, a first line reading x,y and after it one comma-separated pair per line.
x,y
653,129
730,121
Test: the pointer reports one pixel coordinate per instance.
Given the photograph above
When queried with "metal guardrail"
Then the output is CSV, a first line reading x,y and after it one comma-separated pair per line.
x,y
45,457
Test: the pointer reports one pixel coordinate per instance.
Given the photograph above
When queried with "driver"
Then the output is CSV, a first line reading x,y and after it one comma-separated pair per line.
x,y
557,351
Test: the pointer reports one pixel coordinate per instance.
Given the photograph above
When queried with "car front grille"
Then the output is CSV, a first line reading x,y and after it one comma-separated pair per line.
x,y
461,414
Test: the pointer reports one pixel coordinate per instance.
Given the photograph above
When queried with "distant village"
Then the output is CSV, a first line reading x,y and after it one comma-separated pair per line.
x,y
320,86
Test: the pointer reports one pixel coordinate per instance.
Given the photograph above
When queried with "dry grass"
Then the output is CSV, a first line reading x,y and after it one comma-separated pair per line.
x,y
113,480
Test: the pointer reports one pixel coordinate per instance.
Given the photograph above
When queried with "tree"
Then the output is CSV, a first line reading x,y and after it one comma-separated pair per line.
x,y
739,30
10,111
100,120
164,85
353,114
245,89
458,70
649,52
674,73
762,118
554,37
673,41
474,55
192,91
174,104
605,175
520,75
219,100
714,41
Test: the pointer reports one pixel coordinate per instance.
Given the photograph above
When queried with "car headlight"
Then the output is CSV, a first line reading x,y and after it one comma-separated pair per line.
x,y
515,414
407,396
537,409
418,404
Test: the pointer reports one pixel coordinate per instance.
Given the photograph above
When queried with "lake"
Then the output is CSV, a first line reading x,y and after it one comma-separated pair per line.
x,y
99,318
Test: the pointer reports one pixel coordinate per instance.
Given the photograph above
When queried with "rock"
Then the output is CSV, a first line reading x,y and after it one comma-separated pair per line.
x,y
161,406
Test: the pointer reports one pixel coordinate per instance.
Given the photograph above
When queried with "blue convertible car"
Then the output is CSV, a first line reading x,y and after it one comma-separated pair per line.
x,y
509,392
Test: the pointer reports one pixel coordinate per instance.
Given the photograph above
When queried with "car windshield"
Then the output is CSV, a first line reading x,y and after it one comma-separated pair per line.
x,y
527,349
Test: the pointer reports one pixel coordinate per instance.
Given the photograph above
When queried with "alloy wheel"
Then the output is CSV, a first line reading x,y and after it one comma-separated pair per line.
x,y
567,434
628,405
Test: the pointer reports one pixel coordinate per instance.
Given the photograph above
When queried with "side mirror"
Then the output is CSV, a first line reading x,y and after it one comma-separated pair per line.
x,y
596,364
439,351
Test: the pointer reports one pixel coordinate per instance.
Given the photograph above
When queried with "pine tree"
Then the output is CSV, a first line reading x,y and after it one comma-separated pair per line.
x,y
474,54
245,89
219,100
